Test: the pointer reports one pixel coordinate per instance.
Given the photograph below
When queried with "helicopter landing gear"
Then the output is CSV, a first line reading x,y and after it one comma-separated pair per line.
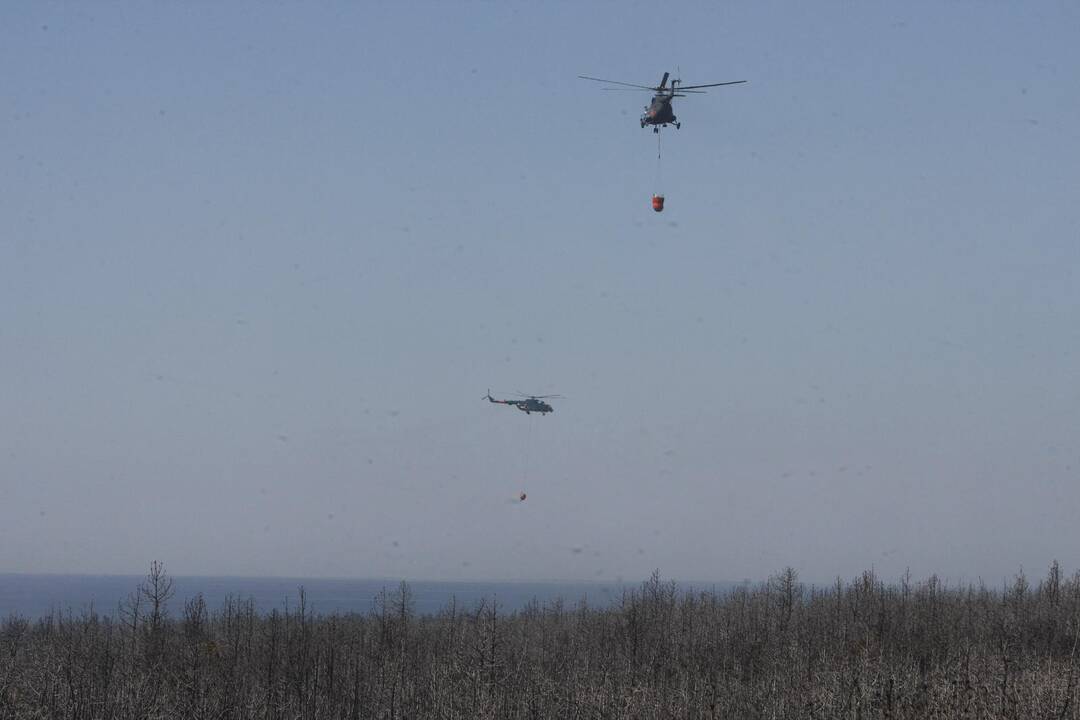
x,y
643,123
678,125
655,129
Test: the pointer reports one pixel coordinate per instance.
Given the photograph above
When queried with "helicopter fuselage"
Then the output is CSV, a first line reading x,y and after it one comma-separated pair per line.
x,y
528,406
659,111
533,405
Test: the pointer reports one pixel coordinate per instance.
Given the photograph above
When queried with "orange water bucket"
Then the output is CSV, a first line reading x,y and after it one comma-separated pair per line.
x,y
658,203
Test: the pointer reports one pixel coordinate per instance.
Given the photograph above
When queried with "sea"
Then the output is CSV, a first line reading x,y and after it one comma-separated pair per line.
x,y
34,596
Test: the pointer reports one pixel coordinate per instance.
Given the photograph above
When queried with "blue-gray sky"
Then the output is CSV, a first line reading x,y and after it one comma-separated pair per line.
x,y
258,264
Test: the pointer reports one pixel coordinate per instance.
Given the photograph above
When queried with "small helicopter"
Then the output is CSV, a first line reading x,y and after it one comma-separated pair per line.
x,y
659,113
529,405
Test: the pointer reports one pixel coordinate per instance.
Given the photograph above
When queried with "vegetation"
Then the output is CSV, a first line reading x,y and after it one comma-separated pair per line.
x,y
779,650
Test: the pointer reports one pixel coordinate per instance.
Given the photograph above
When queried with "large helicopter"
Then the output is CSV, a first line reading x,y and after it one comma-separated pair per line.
x,y
658,113
529,404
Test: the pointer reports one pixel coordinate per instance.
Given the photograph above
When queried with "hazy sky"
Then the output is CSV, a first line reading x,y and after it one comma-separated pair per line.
x,y
259,263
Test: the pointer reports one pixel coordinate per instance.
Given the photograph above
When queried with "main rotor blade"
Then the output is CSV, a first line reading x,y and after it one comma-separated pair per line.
x,y
661,93
616,82
691,87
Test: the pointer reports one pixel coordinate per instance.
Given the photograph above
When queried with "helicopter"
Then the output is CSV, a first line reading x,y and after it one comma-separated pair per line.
x,y
529,405
658,113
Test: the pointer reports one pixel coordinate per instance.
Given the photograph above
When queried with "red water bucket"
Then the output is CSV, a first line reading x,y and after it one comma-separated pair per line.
x,y
658,203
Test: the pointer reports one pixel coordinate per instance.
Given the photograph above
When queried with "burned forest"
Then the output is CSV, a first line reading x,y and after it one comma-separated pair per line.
x,y
781,649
